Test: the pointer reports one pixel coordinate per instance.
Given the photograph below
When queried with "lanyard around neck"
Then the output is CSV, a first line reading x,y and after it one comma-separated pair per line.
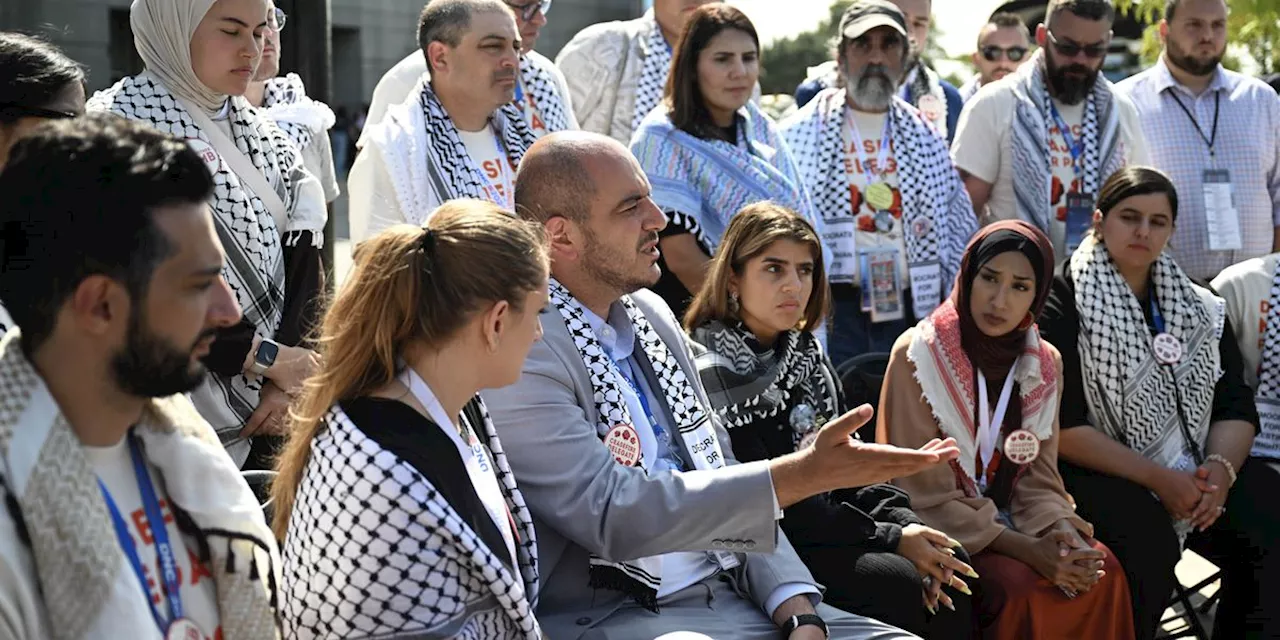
x,y
159,535
989,423
882,154
1076,147
1212,138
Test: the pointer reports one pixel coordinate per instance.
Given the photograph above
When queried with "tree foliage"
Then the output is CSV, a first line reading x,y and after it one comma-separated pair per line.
x,y
1252,24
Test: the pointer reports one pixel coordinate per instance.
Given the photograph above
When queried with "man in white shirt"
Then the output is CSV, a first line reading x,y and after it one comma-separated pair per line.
x,y
639,504
617,70
1003,44
126,518
542,94
284,100
1217,134
459,135
903,216
1040,143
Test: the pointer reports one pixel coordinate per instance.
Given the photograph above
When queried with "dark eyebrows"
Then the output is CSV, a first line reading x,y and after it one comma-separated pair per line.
x,y
998,272
242,23
208,272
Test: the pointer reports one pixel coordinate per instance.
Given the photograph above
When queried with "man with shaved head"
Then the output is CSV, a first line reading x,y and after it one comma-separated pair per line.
x,y
639,505
459,135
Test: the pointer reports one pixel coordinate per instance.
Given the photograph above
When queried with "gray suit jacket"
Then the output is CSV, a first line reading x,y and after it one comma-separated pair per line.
x,y
583,502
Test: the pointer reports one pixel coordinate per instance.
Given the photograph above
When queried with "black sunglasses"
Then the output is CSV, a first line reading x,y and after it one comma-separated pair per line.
x,y
993,53
21,111
1071,49
528,10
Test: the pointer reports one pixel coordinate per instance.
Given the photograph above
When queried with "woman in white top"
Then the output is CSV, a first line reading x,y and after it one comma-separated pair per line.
x,y
397,507
200,56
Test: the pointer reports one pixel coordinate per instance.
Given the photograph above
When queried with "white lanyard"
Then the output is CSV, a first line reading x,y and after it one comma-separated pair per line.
x,y
990,423
435,410
882,154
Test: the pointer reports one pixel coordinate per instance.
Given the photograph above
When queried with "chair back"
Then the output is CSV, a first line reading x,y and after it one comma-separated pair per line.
x,y
862,377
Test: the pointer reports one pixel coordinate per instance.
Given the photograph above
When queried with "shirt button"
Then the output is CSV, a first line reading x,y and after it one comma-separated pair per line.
x,y
582,622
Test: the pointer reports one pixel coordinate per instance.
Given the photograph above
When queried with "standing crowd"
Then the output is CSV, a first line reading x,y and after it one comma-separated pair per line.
x,y
601,362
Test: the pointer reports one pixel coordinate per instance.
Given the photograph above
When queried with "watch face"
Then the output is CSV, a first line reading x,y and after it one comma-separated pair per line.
x,y
267,352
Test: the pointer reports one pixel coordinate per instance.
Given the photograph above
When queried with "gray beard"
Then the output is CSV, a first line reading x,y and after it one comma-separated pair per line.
x,y
871,92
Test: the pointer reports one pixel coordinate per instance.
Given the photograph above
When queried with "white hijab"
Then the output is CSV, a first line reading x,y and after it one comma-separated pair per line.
x,y
162,32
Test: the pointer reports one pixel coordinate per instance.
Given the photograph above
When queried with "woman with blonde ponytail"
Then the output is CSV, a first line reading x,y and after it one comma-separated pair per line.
x,y
396,506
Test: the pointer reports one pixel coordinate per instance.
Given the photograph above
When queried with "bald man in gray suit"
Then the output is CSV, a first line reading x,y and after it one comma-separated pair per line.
x,y
646,524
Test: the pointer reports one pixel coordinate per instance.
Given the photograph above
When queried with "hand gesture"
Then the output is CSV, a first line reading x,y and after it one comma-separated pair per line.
x,y
932,553
851,463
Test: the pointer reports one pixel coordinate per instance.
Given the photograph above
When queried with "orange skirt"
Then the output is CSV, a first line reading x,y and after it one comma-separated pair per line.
x,y
1017,603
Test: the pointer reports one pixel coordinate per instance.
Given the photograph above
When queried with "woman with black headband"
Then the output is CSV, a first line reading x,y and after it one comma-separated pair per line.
x,y
977,370
37,83
1157,419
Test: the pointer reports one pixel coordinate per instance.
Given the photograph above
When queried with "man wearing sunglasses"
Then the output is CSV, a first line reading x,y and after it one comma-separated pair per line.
x,y
284,99
1003,43
1038,145
541,93
1216,133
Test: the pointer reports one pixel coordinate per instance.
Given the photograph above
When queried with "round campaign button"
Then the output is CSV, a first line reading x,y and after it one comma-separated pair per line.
x,y
921,227
183,629
930,106
624,444
1021,447
879,196
803,417
1168,349
205,150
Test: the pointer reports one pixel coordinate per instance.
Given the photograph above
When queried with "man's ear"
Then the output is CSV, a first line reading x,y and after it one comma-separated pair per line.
x,y
96,304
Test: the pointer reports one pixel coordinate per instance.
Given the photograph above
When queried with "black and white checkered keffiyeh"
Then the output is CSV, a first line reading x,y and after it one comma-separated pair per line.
x,y
254,245
1267,397
426,160
653,73
374,550
642,577
1032,121
1129,393
302,119
746,385
537,74
933,197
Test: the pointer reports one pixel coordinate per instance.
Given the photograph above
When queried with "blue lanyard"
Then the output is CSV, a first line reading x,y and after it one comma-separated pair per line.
x,y
519,91
159,533
658,431
1075,146
1156,318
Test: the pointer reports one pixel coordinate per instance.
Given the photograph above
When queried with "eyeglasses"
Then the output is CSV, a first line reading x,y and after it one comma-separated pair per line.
x,y
281,18
21,111
527,10
1071,49
1014,54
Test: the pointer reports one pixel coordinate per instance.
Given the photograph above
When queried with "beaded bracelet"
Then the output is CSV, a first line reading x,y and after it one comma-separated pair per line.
x,y
1226,464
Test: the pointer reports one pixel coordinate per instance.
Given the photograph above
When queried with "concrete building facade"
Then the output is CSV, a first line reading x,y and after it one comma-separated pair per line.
x,y
369,36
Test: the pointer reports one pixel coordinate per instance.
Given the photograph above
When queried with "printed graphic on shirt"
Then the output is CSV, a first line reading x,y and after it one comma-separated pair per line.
x,y
495,166
529,109
1064,175
875,228
194,577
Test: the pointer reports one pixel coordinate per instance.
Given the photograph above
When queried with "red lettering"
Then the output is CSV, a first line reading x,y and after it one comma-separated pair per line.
x,y
140,523
217,633
491,169
538,123
869,146
198,569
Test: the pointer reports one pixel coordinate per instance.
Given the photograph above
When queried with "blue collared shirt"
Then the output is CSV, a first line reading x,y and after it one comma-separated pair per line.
x,y
1247,144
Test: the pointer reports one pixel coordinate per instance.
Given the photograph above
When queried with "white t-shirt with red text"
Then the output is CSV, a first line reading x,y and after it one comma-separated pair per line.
x,y
497,171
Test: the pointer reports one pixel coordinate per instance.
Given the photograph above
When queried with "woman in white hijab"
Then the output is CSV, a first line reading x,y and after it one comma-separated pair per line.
x,y
200,56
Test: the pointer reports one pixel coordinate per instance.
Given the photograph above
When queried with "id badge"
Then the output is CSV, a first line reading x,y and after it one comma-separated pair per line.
x,y
1079,219
926,287
1220,211
837,234
886,286
725,559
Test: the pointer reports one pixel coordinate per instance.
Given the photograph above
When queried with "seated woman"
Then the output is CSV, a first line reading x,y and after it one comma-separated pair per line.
x,y
397,508
268,210
708,151
977,370
769,380
37,83
1157,418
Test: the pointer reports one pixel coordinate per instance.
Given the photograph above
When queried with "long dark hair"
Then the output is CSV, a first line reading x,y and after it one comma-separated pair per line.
x,y
682,96
32,74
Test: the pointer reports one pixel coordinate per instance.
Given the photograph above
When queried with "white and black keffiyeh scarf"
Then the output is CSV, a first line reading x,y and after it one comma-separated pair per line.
x,y
405,562
253,244
653,73
1132,397
748,383
301,118
1032,121
922,81
933,197
640,578
1267,397
426,159
60,515
537,74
